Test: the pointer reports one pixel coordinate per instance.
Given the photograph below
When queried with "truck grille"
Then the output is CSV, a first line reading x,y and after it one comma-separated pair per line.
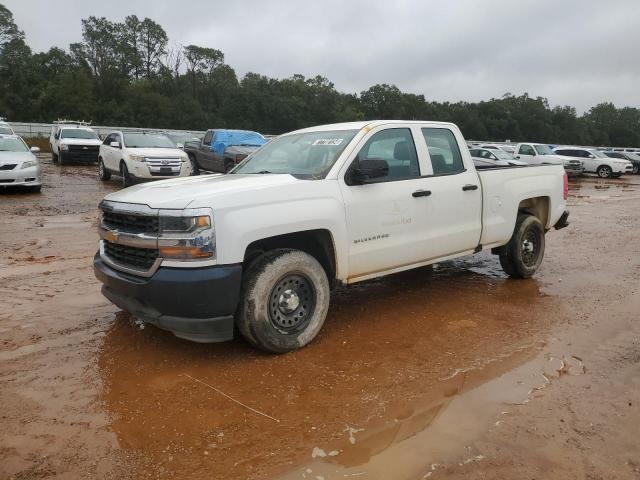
x,y
8,166
81,152
130,222
132,257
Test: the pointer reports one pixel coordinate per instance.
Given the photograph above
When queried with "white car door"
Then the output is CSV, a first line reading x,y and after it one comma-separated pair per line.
x,y
526,153
452,220
384,216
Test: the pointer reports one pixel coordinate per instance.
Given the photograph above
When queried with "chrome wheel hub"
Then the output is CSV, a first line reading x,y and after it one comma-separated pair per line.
x,y
288,301
527,246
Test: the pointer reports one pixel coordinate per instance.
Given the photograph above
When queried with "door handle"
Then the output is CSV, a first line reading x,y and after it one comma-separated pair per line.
x,y
421,193
469,187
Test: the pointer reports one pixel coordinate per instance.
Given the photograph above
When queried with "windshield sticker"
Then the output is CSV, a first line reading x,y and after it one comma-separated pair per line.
x,y
328,141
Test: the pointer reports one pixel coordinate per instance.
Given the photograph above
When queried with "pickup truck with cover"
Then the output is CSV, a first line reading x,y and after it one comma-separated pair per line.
x,y
222,150
260,249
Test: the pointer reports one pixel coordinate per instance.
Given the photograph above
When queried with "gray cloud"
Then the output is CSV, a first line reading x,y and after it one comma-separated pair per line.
x,y
572,52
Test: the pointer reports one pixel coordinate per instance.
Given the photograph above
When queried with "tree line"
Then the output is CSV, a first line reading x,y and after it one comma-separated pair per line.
x,y
129,73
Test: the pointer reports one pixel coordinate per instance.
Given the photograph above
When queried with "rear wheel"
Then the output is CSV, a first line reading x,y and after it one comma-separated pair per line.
x,y
604,171
522,256
103,173
127,181
285,299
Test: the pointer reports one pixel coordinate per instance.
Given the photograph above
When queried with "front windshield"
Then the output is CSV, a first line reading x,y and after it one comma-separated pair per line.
x,y
12,144
598,153
304,155
6,130
147,140
81,133
182,137
543,149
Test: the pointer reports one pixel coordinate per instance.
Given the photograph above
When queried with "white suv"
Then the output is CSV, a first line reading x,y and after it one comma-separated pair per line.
x,y
5,128
595,161
74,141
139,156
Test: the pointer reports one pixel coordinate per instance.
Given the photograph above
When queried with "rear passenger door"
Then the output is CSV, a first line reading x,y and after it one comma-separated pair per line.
x,y
452,219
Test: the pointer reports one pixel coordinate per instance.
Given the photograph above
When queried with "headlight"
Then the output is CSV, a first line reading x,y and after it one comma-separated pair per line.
x,y
187,235
29,164
64,146
136,158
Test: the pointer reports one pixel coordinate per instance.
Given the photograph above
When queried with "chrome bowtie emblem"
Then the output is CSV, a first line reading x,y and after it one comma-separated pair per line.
x,y
165,162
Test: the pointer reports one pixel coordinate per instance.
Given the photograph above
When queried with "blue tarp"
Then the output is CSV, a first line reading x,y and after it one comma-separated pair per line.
x,y
226,138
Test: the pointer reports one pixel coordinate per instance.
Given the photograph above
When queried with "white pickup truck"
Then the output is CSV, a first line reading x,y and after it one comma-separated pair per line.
x,y
260,248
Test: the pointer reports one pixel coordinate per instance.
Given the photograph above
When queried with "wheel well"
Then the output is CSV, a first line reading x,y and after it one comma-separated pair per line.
x,y
317,243
538,207
603,165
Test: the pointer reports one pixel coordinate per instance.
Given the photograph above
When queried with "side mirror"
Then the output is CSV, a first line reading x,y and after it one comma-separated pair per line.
x,y
35,149
180,145
591,156
369,169
115,144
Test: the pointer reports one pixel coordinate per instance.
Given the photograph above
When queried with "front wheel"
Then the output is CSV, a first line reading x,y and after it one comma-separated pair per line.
x,y
636,169
195,170
522,256
127,181
604,171
285,299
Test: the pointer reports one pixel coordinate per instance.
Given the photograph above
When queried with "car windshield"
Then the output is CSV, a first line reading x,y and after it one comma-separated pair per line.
x,y
147,140
598,153
614,154
81,133
6,130
543,150
304,155
12,144
182,137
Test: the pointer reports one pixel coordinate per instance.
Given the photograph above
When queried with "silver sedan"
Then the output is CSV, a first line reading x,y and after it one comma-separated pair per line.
x,y
18,164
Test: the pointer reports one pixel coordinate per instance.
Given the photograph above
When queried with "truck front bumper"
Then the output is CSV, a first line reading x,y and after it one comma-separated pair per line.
x,y
196,304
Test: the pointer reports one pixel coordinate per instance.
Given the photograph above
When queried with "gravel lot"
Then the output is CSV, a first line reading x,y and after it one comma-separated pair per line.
x,y
450,372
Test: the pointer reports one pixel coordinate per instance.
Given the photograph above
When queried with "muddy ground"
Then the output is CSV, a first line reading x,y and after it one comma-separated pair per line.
x,y
455,372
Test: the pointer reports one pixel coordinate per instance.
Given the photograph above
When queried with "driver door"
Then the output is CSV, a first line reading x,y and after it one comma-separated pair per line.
x,y
526,153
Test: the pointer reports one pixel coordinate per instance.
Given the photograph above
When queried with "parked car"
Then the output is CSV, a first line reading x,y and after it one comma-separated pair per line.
x,y
312,209
632,157
595,161
5,128
539,153
495,156
73,141
505,148
222,150
19,166
141,156
180,138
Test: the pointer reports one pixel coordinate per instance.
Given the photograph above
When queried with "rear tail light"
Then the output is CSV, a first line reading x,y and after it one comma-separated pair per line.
x,y
565,189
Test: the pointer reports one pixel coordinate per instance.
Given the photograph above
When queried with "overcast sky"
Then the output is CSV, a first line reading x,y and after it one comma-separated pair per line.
x,y
578,53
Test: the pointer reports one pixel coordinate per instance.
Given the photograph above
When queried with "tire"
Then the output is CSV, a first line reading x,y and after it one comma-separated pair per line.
x,y
604,171
60,158
103,173
636,169
228,166
522,256
195,170
54,157
285,299
127,181
36,189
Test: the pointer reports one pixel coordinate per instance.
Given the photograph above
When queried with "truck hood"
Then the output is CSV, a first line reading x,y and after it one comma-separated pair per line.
x,y
200,191
81,141
552,159
156,152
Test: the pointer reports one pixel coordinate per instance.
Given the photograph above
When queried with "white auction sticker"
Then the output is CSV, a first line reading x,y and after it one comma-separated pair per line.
x,y
328,141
